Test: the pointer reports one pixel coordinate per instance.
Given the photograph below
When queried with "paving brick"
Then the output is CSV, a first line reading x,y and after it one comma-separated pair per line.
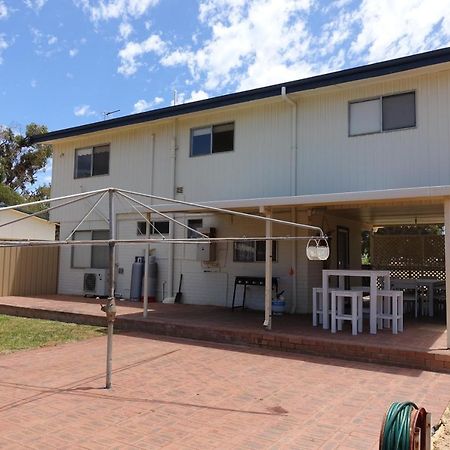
x,y
178,394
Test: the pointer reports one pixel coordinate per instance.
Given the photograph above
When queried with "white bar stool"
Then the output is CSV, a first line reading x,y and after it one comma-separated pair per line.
x,y
338,314
390,307
317,304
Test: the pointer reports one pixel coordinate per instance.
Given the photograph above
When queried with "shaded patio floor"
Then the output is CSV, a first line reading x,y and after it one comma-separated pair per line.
x,y
422,345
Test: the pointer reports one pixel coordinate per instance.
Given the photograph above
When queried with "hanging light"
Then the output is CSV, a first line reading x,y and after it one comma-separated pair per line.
x,y
317,249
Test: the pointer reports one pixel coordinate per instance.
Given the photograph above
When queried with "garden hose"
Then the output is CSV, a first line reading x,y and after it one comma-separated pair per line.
x,y
396,431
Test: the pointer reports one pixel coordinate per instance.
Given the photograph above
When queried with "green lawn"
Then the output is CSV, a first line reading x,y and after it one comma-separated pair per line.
x,y
19,333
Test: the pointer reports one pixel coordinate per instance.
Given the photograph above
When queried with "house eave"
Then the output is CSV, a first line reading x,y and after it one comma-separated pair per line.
x,y
316,82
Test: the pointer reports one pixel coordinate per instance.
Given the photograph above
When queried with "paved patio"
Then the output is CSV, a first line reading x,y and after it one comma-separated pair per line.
x,y
422,344
177,394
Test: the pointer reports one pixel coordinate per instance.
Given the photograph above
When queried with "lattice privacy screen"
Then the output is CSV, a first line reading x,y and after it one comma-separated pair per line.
x,y
409,256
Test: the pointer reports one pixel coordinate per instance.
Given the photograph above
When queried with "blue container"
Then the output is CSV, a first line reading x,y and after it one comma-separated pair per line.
x,y
278,307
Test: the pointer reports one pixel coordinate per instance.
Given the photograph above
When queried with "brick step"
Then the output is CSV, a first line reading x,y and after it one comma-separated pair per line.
x,y
318,346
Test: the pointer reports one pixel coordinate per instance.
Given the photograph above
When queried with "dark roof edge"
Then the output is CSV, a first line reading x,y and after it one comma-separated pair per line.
x,y
342,76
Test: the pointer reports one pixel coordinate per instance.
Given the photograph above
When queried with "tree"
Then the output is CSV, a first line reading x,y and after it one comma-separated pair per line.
x,y
20,160
9,197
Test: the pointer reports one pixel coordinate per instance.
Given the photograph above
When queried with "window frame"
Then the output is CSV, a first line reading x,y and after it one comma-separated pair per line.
x,y
380,98
90,249
91,148
190,234
275,251
211,128
152,230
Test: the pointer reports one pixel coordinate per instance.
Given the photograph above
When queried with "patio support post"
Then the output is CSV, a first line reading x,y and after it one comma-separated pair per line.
x,y
447,264
268,274
146,263
110,307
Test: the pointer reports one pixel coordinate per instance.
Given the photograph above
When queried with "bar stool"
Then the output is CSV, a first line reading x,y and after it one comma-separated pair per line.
x,y
317,305
390,307
338,314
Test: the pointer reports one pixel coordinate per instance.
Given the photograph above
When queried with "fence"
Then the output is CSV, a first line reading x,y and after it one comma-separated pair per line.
x,y
409,256
28,271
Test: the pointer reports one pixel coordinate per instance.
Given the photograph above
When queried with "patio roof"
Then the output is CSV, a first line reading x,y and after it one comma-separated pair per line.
x,y
377,207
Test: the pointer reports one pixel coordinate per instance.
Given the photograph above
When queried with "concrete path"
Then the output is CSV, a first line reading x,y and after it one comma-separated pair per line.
x,y
180,394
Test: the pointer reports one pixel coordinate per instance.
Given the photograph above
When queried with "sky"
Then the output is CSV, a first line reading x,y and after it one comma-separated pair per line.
x,y
68,62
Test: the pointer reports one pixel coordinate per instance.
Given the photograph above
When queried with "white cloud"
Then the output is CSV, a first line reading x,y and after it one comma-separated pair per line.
x,y
143,105
33,83
252,43
73,52
197,95
3,10
132,51
3,46
125,29
84,111
389,29
99,10
36,5
45,44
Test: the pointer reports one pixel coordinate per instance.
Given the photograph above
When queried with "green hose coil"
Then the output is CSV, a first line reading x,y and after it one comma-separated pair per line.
x,y
397,433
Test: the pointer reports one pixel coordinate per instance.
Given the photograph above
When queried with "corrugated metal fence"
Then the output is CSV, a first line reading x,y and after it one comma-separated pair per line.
x,y
28,271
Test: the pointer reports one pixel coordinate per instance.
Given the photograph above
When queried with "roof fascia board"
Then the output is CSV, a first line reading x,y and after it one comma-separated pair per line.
x,y
348,198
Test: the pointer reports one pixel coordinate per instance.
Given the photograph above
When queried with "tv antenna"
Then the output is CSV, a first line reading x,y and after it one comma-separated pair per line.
x,y
106,114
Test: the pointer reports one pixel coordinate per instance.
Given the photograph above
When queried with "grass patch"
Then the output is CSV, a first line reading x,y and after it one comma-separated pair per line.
x,y
19,333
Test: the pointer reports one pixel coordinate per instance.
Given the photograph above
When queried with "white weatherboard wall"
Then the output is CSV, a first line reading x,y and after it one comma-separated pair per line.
x,y
328,159
203,283
31,228
331,161
130,166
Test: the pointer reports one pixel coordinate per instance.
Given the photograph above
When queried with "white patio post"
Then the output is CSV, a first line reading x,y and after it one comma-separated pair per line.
x,y
146,262
268,280
447,263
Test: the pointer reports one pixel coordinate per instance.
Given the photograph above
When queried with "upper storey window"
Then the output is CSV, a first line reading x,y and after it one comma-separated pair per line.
x,y
385,113
212,139
92,161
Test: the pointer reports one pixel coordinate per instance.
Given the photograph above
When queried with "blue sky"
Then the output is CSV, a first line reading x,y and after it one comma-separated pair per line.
x,y
65,62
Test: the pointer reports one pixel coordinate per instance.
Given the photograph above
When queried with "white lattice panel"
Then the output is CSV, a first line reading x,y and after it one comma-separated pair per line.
x,y
410,256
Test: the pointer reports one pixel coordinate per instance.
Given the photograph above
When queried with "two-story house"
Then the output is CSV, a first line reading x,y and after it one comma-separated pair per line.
x,y
347,151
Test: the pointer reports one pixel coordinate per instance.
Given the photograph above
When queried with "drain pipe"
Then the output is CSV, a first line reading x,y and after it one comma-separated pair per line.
x,y
171,255
293,140
293,161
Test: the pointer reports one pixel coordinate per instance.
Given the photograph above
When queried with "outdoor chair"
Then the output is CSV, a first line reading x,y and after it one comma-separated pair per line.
x,y
390,309
338,314
318,305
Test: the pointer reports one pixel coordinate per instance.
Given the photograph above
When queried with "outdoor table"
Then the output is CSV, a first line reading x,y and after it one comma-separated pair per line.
x,y
341,273
429,283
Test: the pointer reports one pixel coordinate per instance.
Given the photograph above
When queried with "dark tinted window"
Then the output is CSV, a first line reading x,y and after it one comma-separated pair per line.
x,y
201,142
223,138
100,160
100,253
141,228
399,111
260,251
162,227
83,161
195,224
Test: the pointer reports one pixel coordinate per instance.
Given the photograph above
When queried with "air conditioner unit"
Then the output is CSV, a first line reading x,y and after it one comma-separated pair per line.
x,y
95,283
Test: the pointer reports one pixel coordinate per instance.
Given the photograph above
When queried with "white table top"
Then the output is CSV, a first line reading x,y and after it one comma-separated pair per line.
x,y
357,273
